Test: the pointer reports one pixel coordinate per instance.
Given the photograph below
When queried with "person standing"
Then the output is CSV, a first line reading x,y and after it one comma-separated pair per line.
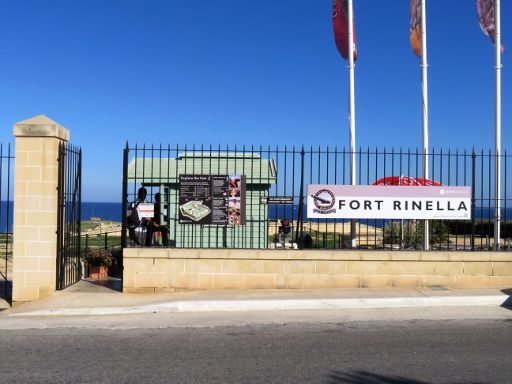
x,y
160,233
138,232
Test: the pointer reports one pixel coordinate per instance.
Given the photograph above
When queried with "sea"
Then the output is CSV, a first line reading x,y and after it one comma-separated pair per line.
x,y
104,211
112,212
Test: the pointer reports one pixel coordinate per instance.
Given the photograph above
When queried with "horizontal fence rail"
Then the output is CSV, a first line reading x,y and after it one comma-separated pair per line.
x,y
105,240
6,216
285,172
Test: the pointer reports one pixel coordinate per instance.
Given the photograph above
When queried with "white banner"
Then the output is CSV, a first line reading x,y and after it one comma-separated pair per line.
x,y
388,202
146,210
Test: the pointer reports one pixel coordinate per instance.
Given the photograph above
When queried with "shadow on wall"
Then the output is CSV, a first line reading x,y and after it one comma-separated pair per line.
x,y
508,302
363,377
5,290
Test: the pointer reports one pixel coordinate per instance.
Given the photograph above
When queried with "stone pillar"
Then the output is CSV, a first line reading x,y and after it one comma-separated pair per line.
x,y
35,207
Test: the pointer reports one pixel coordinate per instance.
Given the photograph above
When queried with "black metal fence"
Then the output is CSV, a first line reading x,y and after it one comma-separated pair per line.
x,y
6,215
102,245
108,240
286,172
69,269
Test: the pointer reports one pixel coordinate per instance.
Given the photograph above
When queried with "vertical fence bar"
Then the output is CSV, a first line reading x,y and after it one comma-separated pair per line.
x,y
464,182
300,213
358,222
318,182
79,215
504,224
7,214
5,255
327,182
124,198
336,182
377,178
262,206
473,198
67,224
481,199
176,197
343,182
58,276
294,224
491,202
4,274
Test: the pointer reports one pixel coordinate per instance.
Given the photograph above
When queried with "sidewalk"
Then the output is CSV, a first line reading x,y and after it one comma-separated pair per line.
x,y
89,298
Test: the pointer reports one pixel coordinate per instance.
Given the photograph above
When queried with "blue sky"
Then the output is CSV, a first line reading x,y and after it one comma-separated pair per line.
x,y
240,72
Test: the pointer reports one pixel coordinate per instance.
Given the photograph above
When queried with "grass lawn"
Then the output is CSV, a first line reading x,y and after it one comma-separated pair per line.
x,y
98,241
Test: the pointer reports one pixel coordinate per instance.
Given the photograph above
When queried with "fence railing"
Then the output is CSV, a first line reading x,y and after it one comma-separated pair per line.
x,y
286,172
69,200
106,245
104,240
6,216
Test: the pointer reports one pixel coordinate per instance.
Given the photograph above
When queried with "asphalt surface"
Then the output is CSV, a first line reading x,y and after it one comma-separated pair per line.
x,y
439,346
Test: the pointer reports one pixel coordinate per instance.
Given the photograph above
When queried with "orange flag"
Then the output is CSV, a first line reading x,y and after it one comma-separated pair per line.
x,y
415,27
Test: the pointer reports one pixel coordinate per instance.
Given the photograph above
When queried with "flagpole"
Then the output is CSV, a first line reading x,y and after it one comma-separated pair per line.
x,y
497,187
352,113
424,87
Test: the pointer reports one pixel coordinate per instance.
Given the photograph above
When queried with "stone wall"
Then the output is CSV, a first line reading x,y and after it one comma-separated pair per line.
x,y
35,207
160,270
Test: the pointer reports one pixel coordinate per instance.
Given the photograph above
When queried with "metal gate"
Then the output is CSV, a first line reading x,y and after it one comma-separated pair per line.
x,y
6,169
69,269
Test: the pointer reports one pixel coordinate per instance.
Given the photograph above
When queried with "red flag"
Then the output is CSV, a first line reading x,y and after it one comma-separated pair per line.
x,y
340,24
415,27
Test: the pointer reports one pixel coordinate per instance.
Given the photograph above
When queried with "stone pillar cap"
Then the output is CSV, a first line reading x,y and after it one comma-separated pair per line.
x,y
40,126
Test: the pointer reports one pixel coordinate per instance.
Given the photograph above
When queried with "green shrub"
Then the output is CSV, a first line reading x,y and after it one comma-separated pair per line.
x,y
98,257
412,233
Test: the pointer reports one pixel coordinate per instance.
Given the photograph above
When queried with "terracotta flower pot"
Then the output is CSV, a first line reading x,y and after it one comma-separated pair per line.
x,y
98,271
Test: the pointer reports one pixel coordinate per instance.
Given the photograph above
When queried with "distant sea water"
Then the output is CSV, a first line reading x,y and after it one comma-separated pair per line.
x,y
104,211
112,212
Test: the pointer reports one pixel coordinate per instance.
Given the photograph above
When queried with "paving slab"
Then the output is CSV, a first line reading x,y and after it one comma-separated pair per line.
x,y
90,297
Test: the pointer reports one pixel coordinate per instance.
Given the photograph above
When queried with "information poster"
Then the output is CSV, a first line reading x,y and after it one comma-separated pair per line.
x,y
212,199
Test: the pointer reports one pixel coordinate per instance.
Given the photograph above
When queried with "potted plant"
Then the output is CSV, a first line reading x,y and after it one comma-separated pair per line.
x,y
98,261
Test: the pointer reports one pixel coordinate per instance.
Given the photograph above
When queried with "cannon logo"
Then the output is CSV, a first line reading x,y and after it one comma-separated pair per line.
x,y
324,202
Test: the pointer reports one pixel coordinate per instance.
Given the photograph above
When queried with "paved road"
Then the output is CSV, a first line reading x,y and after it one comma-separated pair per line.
x,y
310,348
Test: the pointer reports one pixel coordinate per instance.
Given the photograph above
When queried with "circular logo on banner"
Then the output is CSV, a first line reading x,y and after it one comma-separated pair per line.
x,y
324,201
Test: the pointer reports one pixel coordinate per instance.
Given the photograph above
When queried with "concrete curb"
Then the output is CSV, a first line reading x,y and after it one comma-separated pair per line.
x,y
281,305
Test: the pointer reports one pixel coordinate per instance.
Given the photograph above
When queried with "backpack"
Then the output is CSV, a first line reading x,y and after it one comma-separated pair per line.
x,y
133,218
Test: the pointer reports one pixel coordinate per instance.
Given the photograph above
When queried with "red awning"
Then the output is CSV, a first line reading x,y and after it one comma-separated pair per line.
x,y
407,181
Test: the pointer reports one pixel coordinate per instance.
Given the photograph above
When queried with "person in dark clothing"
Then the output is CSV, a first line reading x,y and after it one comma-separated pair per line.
x,y
159,230
138,231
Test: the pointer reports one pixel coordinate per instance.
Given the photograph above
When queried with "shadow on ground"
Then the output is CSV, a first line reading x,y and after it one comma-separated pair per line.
x,y
508,302
108,284
363,377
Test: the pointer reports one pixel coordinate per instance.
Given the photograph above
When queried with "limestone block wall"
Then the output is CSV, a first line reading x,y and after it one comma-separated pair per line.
x,y
160,270
35,207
